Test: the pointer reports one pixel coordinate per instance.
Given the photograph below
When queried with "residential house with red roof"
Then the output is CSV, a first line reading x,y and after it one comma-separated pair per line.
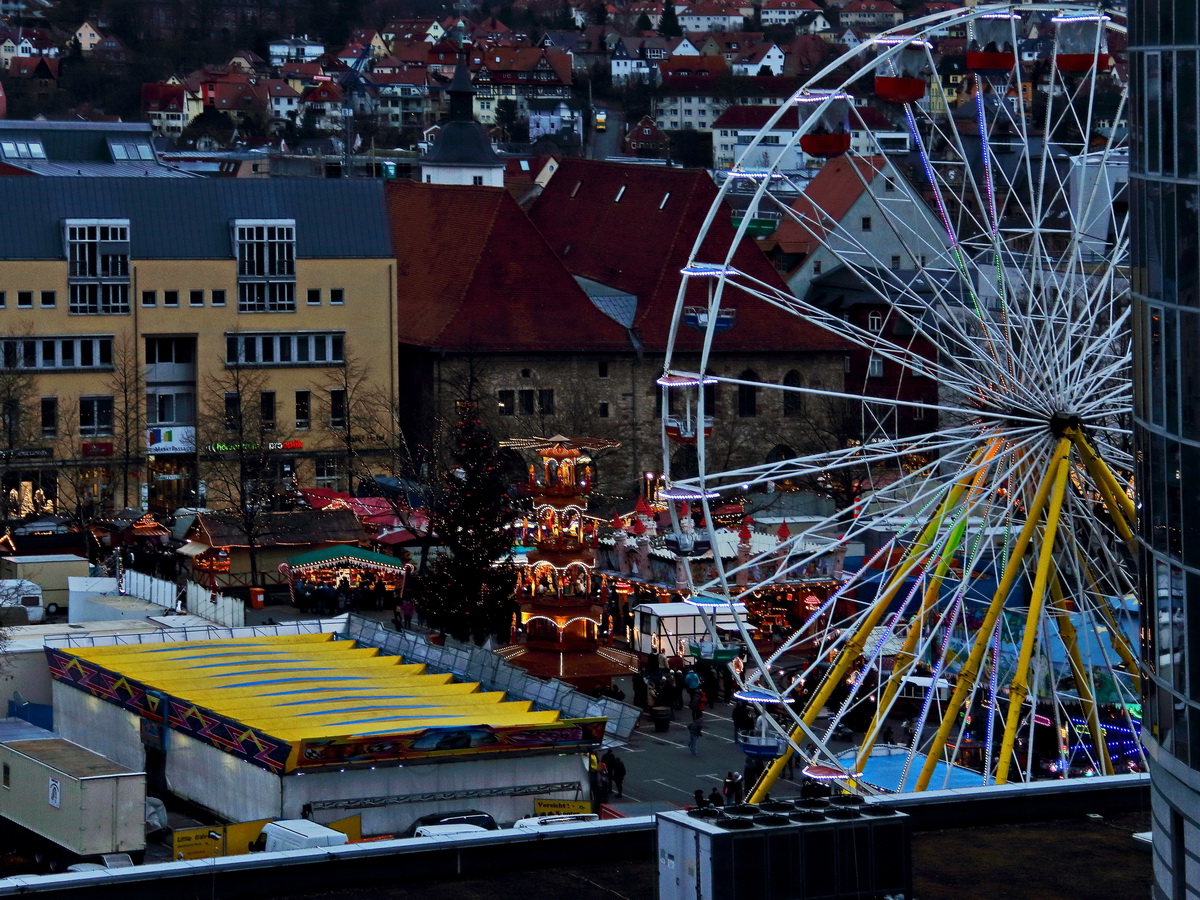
x,y
646,140
428,31
163,105
519,74
870,15
25,42
765,58
785,12
324,103
710,16
696,90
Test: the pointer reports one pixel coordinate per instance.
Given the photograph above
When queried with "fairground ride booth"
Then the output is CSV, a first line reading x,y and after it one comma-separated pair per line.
x,y
284,726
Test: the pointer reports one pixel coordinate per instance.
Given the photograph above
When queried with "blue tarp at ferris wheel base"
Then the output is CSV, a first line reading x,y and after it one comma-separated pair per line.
x,y
885,767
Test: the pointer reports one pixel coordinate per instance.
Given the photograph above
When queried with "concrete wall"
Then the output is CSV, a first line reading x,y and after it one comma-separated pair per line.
x,y
405,793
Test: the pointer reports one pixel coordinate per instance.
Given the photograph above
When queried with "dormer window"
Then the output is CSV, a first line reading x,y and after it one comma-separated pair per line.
x,y
97,252
22,150
266,255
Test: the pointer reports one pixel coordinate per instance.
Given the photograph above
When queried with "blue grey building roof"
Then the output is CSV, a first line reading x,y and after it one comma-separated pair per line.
x,y
191,218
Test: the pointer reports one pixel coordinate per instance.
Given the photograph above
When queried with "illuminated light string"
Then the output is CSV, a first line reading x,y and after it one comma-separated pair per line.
x,y
994,222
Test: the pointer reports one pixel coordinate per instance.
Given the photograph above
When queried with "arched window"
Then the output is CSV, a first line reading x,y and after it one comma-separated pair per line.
x,y
748,395
793,401
875,321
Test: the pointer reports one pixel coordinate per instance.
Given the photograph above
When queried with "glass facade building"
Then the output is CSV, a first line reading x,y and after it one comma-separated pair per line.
x,y
1165,275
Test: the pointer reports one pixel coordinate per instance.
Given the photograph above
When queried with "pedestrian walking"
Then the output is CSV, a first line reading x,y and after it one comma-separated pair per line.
x,y
407,610
727,787
617,772
699,702
889,736
737,788
695,730
603,784
691,681
743,720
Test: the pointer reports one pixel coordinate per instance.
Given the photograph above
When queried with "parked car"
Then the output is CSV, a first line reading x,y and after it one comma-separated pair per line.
x,y
460,817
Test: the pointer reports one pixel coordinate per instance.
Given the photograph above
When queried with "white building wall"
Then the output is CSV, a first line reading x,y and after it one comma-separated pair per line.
x,y
229,786
492,176
99,726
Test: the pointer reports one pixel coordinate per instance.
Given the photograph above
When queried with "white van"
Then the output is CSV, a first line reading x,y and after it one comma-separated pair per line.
x,y
24,593
299,834
550,821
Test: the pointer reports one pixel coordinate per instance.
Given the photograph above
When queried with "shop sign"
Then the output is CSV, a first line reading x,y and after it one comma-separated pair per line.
x,y
97,448
544,806
273,445
27,453
176,439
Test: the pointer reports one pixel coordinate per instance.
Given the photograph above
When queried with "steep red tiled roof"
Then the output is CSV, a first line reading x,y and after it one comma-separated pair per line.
x,y
474,274
824,202
632,227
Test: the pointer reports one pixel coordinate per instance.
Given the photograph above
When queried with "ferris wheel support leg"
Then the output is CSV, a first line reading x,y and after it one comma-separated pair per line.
x,y
1066,629
970,670
913,560
906,657
1121,506
1019,689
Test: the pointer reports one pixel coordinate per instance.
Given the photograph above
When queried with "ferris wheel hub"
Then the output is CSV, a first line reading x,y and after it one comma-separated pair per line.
x,y
1062,422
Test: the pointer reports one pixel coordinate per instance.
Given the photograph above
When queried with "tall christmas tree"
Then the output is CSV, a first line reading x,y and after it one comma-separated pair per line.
x,y
468,592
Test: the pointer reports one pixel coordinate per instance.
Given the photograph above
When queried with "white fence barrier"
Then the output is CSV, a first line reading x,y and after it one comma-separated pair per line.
x,y
477,664
223,610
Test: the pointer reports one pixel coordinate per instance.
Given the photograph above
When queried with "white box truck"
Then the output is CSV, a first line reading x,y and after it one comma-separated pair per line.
x,y
50,571
67,802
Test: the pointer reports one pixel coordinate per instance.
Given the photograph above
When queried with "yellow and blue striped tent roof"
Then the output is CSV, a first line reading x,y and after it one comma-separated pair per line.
x,y
309,687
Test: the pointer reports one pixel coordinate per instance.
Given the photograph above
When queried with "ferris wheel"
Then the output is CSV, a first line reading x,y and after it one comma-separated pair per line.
x,y
973,259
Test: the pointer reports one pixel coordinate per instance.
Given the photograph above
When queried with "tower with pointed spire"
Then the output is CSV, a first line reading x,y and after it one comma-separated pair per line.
x,y
462,152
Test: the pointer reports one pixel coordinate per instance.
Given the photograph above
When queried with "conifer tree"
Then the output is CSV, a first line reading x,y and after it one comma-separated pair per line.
x,y
468,592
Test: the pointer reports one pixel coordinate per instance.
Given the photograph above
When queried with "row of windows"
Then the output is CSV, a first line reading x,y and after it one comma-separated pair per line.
x,y
526,402
237,419
285,349
179,408
112,298
57,353
95,416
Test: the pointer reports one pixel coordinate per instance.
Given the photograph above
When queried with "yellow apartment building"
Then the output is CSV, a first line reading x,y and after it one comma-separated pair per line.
x,y
140,314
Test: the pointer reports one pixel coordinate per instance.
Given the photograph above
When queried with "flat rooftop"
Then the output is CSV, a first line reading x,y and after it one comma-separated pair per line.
x,y
312,694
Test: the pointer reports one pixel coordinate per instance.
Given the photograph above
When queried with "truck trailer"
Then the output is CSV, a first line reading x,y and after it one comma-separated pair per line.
x,y
69,803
